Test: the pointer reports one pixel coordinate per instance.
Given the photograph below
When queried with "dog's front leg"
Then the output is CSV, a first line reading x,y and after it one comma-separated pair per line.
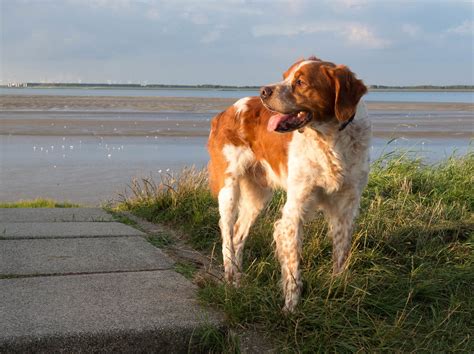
x,y
288,235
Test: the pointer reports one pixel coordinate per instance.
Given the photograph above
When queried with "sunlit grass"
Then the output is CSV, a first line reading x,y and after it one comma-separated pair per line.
x,y
410,282
38,203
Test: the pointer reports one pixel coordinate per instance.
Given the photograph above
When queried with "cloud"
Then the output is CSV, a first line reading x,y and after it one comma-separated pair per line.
x,y
362,35
153,14
295,7
351,4
411,30
196,18
464,29
211,36
352,33
109,4
289,29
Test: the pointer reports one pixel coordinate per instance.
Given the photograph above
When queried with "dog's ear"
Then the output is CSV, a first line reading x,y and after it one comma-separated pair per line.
x,y
348,91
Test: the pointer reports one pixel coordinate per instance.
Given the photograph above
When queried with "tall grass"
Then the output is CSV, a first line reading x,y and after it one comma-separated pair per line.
x,y
410,283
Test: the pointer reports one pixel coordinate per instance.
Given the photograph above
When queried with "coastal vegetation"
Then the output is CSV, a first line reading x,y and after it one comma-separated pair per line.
x,y
410,280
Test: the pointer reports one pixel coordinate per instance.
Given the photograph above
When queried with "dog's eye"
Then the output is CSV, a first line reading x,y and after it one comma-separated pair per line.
x,y
299,82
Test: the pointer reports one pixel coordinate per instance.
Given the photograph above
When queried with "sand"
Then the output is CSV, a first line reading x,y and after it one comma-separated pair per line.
x,y
47,115
108,103
182,104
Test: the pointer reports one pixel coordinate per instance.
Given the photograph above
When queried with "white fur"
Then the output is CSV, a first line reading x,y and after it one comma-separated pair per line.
x,y
327,170
275,180
291,75
238,158
242,105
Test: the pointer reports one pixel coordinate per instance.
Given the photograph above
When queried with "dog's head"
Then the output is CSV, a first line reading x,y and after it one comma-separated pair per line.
x,y
312,90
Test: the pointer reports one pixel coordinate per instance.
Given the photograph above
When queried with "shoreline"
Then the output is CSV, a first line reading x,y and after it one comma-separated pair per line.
x,y
178,104
108,116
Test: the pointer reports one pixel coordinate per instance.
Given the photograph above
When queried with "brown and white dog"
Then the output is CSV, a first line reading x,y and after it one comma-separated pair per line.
x,y
308,134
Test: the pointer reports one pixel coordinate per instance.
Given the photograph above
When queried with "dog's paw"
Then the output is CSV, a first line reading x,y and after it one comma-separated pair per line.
x,y
236,279
289,308
339,269
233,278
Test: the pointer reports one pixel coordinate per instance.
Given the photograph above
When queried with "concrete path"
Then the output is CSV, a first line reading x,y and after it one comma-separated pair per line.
x,y
73,280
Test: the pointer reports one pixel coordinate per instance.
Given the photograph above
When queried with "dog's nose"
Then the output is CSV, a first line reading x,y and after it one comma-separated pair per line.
x,y
266,92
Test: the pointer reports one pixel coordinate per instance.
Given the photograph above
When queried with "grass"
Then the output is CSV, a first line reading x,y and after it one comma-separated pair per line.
x,y
121,218
160,240
410,282
209,339
186,269
38,203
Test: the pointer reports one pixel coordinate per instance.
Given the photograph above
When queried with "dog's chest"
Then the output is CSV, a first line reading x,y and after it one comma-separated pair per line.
x,y
312,160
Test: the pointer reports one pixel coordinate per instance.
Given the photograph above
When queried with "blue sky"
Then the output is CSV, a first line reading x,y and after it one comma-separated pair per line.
x,y
237,42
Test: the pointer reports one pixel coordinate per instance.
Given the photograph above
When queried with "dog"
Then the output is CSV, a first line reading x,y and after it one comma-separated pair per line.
x,y
308,134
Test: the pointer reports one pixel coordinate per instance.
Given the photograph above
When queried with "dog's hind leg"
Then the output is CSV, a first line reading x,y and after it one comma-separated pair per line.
x,y
253,198
238,158
228,206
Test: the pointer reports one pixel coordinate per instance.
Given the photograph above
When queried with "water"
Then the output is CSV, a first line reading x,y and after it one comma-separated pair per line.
x,y
421,96
90,170
56,157
130,92
375,96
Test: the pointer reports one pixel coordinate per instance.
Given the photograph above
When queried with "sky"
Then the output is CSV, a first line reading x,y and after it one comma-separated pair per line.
x,y
235,42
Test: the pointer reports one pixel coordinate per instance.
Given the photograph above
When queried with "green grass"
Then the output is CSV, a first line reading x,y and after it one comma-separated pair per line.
x,y
119,217
209,339
38,203
160,240
410,283
187,269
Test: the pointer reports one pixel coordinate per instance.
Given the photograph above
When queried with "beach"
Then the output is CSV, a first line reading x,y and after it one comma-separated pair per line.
x,y
88,148
177,116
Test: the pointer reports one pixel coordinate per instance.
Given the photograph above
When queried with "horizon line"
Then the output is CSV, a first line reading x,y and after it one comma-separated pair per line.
x,y
151,85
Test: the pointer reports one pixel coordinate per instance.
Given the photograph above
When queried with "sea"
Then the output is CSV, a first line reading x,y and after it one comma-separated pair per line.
x,y
92,170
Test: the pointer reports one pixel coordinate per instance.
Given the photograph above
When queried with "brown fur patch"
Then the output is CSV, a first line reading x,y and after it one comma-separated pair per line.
x,y
248,128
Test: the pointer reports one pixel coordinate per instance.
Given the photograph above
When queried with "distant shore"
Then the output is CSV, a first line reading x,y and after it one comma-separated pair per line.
x,y
375,88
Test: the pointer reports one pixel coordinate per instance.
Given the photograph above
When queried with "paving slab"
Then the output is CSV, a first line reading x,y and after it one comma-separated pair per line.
x,y
79,255
13,230
121,312
53,214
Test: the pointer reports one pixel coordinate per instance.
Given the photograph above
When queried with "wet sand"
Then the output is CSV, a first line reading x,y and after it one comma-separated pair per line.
x,y
181,104
176,116
113,103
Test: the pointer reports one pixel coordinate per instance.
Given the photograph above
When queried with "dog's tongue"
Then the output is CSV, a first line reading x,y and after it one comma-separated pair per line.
x,y
275,120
